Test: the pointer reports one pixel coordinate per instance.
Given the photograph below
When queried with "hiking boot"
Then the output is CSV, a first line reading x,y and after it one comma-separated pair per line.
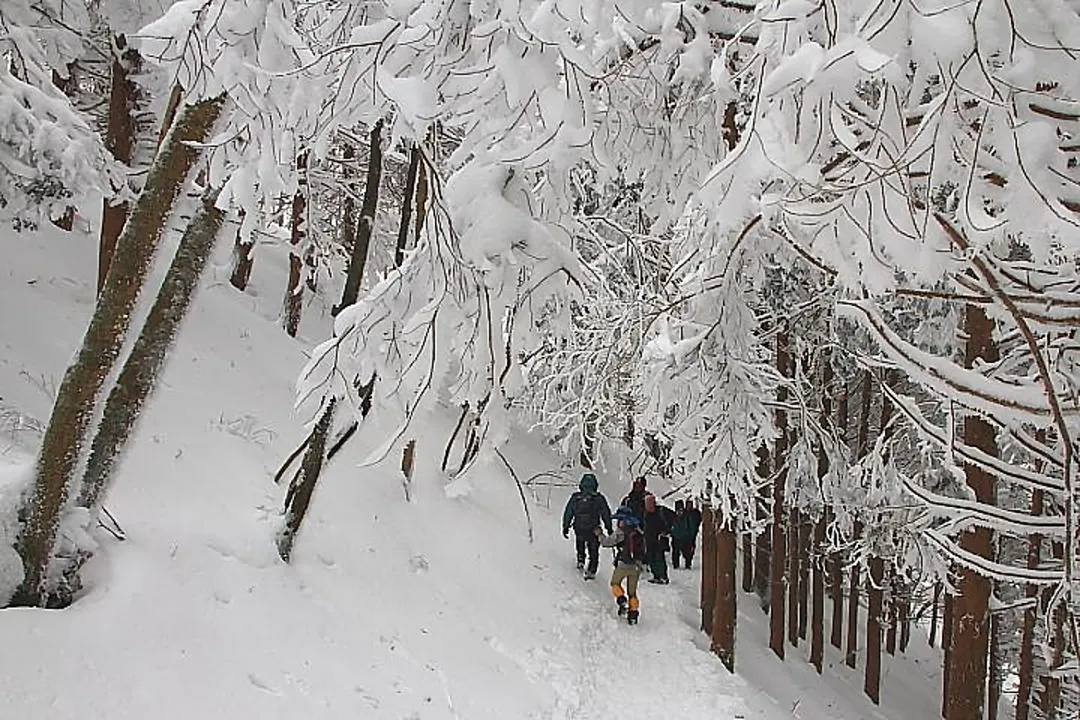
x,y
621,601
580,565
631,617
589,575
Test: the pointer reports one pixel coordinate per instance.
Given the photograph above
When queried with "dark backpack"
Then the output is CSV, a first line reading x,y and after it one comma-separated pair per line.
x,y
632,548
587,511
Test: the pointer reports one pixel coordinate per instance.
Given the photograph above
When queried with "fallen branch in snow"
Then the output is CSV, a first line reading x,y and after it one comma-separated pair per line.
x,y
521,491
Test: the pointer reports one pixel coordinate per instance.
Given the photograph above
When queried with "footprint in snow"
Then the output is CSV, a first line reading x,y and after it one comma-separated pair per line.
x,y
261,684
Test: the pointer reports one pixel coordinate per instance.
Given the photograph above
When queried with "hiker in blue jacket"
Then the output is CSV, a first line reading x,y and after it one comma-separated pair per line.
x,y
586,511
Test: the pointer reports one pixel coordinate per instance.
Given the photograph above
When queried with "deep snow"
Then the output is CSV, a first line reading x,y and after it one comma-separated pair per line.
x,y
430,609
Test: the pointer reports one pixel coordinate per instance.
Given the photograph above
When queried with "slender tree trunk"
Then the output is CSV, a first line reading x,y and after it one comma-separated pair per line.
x,y
724,618
139,375
994,669
872,678
779,554
120,140
853,608
967,666
298,498
747,560
1025,669
761,539
794,520
804,574
890,631
946,645
817,553
63,443
406,206
904,618
294,292
1027,630
243,259
709,565
934,613
366,225
836,565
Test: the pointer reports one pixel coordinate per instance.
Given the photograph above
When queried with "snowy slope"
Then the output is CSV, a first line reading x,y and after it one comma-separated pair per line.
x,y
430,609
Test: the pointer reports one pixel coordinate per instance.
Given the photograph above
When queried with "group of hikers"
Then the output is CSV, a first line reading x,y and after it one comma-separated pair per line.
x,y
641,532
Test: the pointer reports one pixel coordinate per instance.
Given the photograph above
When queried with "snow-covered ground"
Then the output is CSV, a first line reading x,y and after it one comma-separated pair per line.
x,y
435,608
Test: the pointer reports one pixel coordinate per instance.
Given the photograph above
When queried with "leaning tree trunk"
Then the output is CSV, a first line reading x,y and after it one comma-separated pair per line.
x,y
78,396
294,291
298,498
725,611
778,555
366,225
967,662
120,140
139,375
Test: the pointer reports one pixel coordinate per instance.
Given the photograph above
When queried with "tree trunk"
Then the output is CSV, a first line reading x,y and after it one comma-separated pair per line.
x,y
817,552
78,396
120,140
141,370
890,630
872,678
724,617
747,559
903,617
761,539
967,666
243,259
366,225
294,292
836,565
994,669
934,613
406,206
853,607
709,565
946,645
779,554
804,574
794,573
298,497
1025,668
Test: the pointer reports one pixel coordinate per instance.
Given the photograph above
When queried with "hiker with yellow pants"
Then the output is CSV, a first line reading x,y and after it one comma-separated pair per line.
x,y
629,544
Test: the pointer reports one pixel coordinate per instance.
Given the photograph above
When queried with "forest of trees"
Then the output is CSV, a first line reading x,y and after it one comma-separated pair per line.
x,y
810,259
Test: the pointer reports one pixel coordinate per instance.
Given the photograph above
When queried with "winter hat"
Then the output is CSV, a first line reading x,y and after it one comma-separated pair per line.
x,y
588,483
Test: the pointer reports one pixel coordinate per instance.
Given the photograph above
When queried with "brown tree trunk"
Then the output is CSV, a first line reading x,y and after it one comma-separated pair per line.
x,y
294,291
934,613
140,372
946,645
724,617
817,553
406,207
298,497
970,629
794,573
243,260
709,565
890,631
778,550
872,677
365,227
120,140
1025,665
836,565
804,574
761,539
995,677
853,608
79,394
747,561
904,619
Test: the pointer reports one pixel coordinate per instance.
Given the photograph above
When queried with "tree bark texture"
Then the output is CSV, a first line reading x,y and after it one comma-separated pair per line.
x,y
724,617
243,260
875,607
294,291
970,622
140,372
708,569
365,226
779,550
120,140
78,396
298,497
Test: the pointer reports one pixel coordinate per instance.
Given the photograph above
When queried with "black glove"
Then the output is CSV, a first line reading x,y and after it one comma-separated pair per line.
x,y
566,533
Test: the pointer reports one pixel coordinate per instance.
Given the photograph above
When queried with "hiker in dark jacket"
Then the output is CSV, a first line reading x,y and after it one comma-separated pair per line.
x,y
586,511
629,544
684,532
635,501
656,532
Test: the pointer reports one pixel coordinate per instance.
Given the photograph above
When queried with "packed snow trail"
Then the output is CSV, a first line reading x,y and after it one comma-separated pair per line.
x,y
637,671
